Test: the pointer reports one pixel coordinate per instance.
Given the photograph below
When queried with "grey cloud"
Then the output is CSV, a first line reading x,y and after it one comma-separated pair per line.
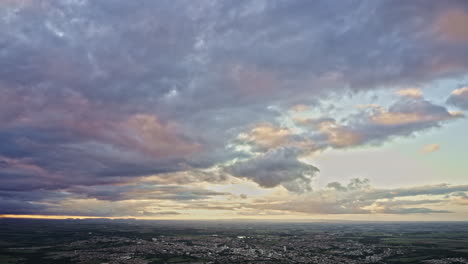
x,y
441,189
405,117
407,202
318,206
377,48
459,98
100,208
354,184
370,125
162,213
211,206
30,202
359,197
415,114
367,192
356,197
337,186
189,176
106,200
398,207
143,192
58,162
277,167
11,206
412,211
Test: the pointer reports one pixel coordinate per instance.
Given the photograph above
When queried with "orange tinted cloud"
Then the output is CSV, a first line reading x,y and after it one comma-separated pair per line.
x,y
461,91
410,92
402,118
390,118
339,136
267,136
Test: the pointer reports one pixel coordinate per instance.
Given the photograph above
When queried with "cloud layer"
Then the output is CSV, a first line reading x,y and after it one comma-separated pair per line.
x,y
100,96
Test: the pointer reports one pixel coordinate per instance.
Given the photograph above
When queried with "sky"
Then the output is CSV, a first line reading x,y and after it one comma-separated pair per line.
x,y
181,109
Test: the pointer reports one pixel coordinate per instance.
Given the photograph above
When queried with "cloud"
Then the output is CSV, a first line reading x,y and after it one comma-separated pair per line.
x,y
373,125
412,112
11,206
300,108
410,92
430,148
267,136
354,184
359,197
276,167
98,93
459,98
143,200
397,207
412,211
163,213
147,133
102,208
451,25
188,176
440,189
337,135
143,192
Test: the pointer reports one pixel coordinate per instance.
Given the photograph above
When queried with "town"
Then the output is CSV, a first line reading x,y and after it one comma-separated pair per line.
x,y
147,242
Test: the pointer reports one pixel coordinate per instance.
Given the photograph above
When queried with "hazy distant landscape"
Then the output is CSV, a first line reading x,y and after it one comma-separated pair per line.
x,y
136,241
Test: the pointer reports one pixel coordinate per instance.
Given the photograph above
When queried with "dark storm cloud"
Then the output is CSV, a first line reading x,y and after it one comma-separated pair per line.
x,y
101,92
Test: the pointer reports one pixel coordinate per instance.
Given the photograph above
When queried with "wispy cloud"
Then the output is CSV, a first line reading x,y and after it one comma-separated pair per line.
x,y
430,148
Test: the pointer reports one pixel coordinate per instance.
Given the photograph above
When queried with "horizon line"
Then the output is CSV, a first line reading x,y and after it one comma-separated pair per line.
x,y
74,217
